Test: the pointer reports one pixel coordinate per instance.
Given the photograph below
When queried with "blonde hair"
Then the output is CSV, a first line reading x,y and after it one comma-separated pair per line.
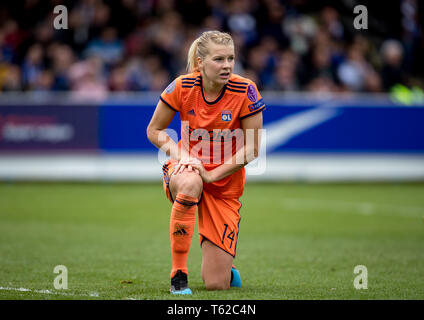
x,y
199,47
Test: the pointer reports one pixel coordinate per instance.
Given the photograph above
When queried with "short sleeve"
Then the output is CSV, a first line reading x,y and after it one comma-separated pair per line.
x,y
171,96
253,102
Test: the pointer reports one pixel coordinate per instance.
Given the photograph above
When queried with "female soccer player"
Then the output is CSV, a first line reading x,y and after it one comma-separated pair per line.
x,y
219,111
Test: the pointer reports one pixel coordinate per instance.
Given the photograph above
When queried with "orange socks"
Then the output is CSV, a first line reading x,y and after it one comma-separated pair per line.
x,y
183,220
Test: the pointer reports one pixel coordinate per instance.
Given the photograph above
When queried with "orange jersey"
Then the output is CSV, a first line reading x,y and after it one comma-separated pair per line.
x,y
210,130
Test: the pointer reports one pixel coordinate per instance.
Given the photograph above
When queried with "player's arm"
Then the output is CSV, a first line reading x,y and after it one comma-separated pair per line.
x,y
156,131
252,134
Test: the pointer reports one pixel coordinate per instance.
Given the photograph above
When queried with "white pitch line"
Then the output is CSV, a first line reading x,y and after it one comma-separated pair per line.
x,y
364,208
92,294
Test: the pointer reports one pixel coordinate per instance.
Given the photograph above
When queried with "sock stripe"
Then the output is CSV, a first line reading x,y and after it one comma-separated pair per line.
x,y
186,203
186,200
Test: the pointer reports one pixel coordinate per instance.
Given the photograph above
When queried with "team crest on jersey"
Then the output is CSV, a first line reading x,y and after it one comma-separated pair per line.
x,y
226,115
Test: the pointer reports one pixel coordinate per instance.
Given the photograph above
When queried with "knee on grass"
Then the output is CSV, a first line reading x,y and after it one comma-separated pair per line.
x,y
221,283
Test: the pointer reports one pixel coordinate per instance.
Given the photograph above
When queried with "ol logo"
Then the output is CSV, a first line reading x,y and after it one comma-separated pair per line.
x,y
226,115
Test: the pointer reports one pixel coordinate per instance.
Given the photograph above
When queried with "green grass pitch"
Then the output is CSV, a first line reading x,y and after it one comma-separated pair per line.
x,y
296,241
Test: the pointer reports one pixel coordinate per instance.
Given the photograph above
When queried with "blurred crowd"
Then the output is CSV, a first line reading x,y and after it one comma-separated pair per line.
x,y
141,45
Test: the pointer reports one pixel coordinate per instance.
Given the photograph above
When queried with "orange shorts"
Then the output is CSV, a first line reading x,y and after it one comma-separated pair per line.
x,y
219,219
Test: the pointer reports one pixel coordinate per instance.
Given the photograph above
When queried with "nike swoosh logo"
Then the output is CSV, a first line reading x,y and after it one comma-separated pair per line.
x,y
280,132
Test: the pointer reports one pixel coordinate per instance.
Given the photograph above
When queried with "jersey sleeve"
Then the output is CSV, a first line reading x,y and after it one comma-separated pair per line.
x,y
253,102
171,96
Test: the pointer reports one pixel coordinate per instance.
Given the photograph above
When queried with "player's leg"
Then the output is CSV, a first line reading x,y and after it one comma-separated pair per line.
x,y
216,267
218,228
185,190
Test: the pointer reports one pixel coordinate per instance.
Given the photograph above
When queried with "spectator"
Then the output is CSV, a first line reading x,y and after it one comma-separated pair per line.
x,y
155,73
285,78
62,59
373,82
332,24
118,79
354,70
10,39
166,38
137,75
12,79
108,47
44,81
32,65
160,80
241,21
392,57
87,81
271,17
257,61
321,65
301,29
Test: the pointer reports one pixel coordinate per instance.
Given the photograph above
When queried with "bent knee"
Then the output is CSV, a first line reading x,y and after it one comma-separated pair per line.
x,y
189,183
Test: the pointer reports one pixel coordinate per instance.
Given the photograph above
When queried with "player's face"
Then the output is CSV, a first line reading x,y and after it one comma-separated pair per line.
x,y
218,65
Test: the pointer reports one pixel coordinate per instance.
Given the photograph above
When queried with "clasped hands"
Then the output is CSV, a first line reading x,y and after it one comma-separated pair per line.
x,y
193,165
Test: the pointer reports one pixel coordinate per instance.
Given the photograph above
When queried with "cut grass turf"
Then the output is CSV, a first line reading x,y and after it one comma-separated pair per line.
x,y
296,241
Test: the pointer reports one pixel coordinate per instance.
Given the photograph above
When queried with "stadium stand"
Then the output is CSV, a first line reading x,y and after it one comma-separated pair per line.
x,y
140,45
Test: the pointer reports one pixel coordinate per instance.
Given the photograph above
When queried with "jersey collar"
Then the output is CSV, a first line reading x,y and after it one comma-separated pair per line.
x,y
217,99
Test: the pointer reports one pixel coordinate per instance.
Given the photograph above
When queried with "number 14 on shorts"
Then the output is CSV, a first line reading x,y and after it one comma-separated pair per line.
x,y
228,235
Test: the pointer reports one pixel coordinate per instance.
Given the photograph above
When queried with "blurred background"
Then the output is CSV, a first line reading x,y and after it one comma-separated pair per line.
x,y
343,104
